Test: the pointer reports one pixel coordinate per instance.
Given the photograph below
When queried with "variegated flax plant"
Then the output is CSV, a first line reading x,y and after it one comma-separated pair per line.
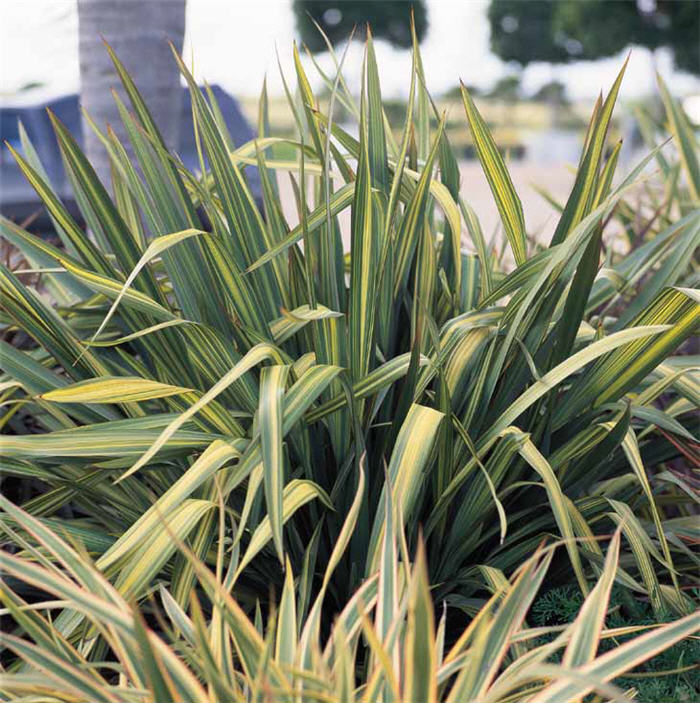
x,y
246,465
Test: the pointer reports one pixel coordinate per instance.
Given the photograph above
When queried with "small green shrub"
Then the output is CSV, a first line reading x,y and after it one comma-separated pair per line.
x,y
673,675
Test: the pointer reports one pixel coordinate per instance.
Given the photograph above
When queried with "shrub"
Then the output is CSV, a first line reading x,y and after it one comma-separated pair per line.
x,y
222,407
670,676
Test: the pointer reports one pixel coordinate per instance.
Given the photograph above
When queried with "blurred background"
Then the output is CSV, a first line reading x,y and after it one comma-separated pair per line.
x,y
535,68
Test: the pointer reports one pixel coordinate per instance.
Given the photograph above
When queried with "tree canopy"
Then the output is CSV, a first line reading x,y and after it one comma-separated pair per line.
x,y
553,92
506,88
389,20
559,31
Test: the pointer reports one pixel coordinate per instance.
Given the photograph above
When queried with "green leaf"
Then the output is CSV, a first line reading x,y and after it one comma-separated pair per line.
x,y
272,384
582,198
364,262
507,200
409,460
286,643
586,629
687,144
419,657
112,389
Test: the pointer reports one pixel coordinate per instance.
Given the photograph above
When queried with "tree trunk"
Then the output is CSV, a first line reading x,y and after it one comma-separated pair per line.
x,y
138,31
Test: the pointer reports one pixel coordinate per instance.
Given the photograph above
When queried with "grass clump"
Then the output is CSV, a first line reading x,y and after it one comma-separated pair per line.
x,y
253,465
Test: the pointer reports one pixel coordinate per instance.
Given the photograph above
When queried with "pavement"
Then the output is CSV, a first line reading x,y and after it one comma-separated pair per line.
x,y
540,217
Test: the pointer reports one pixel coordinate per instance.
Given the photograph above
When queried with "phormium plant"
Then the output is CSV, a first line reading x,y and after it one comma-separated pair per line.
x,y
251,466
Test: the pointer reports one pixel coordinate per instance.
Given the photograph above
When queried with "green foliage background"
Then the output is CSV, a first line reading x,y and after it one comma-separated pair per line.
x,y
560,31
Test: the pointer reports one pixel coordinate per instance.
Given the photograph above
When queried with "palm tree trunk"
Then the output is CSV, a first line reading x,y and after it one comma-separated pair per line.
x,y
138,31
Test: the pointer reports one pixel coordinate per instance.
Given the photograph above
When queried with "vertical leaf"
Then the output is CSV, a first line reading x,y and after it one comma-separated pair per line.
x,y
507,200
412,451
687,144
581,199
420,675
272,383
586,629
364,256
378,165
285,647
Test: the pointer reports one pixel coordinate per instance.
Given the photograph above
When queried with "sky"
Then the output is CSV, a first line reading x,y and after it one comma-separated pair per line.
x,y
233,43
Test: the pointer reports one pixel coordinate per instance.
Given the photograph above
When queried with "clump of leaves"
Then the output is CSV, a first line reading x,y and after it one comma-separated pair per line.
x,y
385,639
214,407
